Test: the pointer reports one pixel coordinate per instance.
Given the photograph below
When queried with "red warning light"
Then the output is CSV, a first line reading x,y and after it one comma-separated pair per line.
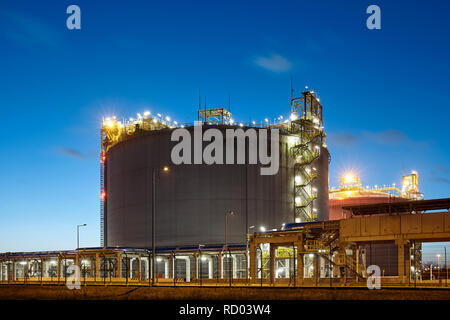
x,y
102,158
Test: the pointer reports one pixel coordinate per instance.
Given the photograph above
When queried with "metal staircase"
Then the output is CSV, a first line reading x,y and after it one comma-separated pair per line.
x,y
308,137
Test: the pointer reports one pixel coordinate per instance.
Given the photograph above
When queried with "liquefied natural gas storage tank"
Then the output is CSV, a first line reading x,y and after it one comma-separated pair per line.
x,y
194,201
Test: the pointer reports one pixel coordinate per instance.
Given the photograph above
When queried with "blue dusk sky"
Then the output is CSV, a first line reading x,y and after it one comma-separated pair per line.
x,y
385,92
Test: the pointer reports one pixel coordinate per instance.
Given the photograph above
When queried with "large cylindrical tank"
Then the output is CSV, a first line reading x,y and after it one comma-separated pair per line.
x,y
358,198
191,199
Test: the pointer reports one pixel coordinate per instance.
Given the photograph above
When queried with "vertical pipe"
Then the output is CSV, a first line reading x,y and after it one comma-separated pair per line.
x,y
446,269
230,267
149,269
126,269
331,267
294,256
262,264
153,223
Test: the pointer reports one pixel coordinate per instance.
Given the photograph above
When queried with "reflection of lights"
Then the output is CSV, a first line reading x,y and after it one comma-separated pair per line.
x,y
146,113
23,263
262,228
204,258
292,140
279,270
158,259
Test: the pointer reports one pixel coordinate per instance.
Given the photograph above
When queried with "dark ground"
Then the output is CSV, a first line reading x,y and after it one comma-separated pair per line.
x,y
36,292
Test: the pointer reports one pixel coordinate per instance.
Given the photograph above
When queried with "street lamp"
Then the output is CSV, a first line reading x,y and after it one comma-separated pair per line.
x,y
78,234
248,253
164,169
200,262
439,265
231,213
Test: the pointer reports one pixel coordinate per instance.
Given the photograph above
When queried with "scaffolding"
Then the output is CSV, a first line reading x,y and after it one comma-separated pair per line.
x,y
214,116
309,137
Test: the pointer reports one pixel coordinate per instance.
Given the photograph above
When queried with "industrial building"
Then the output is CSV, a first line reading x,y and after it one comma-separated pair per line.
x,y
192,201
352,193
165,223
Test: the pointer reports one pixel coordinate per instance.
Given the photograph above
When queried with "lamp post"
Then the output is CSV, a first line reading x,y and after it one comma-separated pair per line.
x,y
78,233
231,213
248,253
165,169
439,265
200,262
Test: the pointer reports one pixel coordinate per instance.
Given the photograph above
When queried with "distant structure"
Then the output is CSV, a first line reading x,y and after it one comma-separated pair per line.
x,y
351,192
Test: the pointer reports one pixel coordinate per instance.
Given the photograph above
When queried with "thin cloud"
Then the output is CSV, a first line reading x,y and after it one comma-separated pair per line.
x,y
28,31
274,63
388,137
442,169
69,152
440,180
342,139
